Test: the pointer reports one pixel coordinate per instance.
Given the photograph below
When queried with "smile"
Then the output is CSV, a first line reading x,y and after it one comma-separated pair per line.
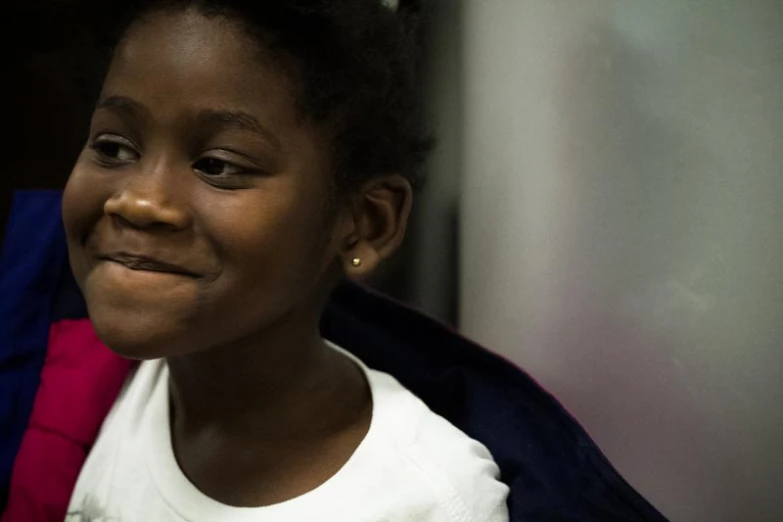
x,y
147,264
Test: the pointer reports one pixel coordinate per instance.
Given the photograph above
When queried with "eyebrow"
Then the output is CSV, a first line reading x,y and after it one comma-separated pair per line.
x,y
237,119
207,117
122,103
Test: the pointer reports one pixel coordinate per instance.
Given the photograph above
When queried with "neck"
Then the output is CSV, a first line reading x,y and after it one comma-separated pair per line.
x,y
282,383
269,418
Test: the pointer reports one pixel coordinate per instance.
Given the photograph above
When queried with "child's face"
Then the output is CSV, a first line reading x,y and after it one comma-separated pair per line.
x,y
197,213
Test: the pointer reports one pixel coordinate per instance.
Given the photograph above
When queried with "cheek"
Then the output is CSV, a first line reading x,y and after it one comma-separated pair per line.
x,y
82,207
83,200
272,248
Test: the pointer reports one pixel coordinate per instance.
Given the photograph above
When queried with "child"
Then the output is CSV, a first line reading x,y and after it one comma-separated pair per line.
x,y
243,159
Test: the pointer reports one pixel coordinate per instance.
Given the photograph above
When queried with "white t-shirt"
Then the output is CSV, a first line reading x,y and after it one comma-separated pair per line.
x,y
412,465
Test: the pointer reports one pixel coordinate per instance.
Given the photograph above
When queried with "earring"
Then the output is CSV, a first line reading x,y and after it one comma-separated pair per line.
x,y
356,261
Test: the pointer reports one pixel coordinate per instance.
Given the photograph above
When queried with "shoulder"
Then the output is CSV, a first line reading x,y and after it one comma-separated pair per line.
x,y
456,469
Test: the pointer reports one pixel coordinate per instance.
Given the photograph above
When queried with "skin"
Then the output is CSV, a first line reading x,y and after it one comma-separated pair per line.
x,y
202,227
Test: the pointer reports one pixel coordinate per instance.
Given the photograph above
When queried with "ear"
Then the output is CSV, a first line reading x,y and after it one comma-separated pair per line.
x,y
380,217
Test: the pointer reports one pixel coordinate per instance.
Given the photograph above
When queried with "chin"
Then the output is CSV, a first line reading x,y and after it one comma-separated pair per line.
x,y
138,336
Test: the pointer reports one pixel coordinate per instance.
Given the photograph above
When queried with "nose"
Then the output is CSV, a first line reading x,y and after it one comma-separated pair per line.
x,y
149,200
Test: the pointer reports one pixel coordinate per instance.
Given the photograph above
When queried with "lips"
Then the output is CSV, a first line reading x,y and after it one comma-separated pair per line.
x,y
147,264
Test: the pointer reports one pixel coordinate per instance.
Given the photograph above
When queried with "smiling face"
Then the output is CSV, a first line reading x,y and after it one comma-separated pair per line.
x,y
198,213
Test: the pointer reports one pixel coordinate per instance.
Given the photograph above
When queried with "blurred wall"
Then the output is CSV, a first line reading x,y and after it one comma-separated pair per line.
x,y
621,228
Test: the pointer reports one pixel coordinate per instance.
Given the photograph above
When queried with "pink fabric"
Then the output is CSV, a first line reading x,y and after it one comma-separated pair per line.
x,y
80,381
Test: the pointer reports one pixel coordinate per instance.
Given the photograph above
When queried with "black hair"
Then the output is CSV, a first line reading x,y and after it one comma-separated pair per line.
x,y
356,73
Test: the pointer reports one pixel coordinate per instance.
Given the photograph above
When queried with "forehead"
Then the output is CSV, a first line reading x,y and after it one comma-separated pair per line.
x,y
180,60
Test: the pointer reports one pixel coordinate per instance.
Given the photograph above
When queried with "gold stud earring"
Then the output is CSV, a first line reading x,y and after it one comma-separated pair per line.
x,y
356,261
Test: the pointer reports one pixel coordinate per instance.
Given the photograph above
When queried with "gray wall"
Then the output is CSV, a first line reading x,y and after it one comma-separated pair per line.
x,y
618,167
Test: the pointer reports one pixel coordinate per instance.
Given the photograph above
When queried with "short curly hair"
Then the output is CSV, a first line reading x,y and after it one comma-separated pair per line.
x,y
356,68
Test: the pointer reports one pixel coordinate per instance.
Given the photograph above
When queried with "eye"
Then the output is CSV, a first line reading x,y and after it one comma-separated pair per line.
x,y
216,167
227,169
114,149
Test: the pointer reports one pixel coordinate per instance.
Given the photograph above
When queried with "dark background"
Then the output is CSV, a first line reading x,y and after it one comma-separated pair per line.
x,y
51,76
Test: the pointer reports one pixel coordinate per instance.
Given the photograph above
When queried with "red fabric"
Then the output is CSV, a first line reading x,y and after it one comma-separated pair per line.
x,y
80,381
